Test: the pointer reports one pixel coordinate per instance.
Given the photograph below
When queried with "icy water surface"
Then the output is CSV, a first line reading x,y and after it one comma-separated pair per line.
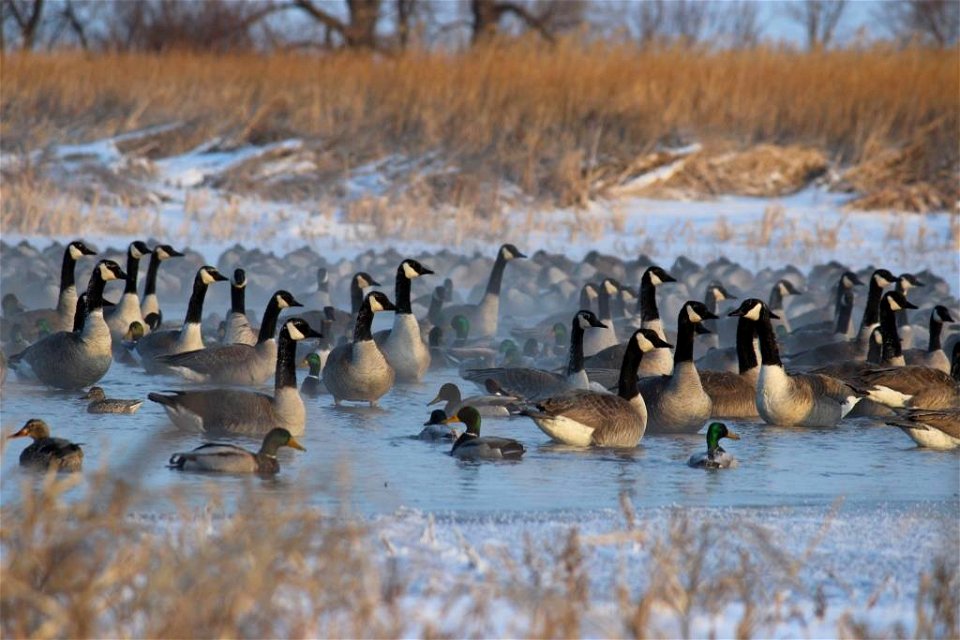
x,y
370,460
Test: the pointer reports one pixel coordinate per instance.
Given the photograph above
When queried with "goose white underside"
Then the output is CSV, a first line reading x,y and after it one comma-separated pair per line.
x,y
888,397
565,430
931,438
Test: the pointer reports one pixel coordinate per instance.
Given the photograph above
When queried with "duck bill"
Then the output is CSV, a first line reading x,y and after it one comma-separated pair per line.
x,y
435,400
293,444
451,420
22,433
732,435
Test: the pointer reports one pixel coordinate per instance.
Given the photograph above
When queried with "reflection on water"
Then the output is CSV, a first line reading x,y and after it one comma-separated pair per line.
x,y
367,459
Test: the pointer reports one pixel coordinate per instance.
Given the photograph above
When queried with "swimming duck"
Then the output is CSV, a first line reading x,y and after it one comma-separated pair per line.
x,y
229,458
715,457
99,403
46,452
435,428
241,411
471,446
312,386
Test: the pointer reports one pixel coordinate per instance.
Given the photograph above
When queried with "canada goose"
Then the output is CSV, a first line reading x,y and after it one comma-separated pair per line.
x,y
734,395
246,412
150,304
677,403
935,429
402,345
229,458
715,457
588,293
605,336
484,316
714,294
236,363
585,418
534,384
778,292
321,297
358,370
342,322
99,403
436,428
128,309
657,362
188,337
491,405
916,387
61,318
808,400
311,385
471,446
892,304
857,348
814,335
905,282
46,452
238,329
933,355
73,360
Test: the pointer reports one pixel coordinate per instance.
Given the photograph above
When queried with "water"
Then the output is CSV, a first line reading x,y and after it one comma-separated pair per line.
x,y
369,460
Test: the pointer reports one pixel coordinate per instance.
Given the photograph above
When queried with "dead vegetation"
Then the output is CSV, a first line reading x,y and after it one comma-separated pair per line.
x,y
565,124
83,567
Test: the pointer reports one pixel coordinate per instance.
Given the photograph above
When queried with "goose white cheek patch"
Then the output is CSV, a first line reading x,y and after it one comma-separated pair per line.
x,y
693,315
294,332
375,305
409,271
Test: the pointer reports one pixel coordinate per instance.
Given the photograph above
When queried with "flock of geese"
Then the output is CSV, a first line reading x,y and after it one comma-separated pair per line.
x,y
599,368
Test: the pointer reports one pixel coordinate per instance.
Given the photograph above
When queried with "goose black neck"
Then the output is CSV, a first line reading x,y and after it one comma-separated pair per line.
x,y
286,375
839,297
769,351
67,278
603,302
711,301
80,315
268,324
195,306
627,387
686,330
356,297
776,297
133,269
936,326
746,355
496,275
151,286
844,313
575,364
95,291
871,313
647,302
403,292
238,299
585,299
361,331
436,307
888,329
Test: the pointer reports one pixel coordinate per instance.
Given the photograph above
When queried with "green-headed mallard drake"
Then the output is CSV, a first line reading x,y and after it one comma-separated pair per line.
x,y
46,452
436,428
229,458
470,446
99,403
312,385
715,457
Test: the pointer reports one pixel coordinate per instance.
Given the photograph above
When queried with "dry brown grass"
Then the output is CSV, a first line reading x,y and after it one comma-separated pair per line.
x,y
556,121
85,568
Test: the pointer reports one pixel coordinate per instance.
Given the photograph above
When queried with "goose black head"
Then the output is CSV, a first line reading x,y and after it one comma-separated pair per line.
x,y
753,309
586,319
78,249
378,301
285,299
907,281
697,312
849,280
510,252
718,292
896,301
787,288
658,276
363,280
165,251
208,275
648,340
413,269
239,278
942,313
299,329
110,270
882,278
138,249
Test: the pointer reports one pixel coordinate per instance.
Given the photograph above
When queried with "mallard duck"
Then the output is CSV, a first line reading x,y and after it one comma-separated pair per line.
x,y
99,403
470,446
46,452
715,457
229,458
311,385
435,428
